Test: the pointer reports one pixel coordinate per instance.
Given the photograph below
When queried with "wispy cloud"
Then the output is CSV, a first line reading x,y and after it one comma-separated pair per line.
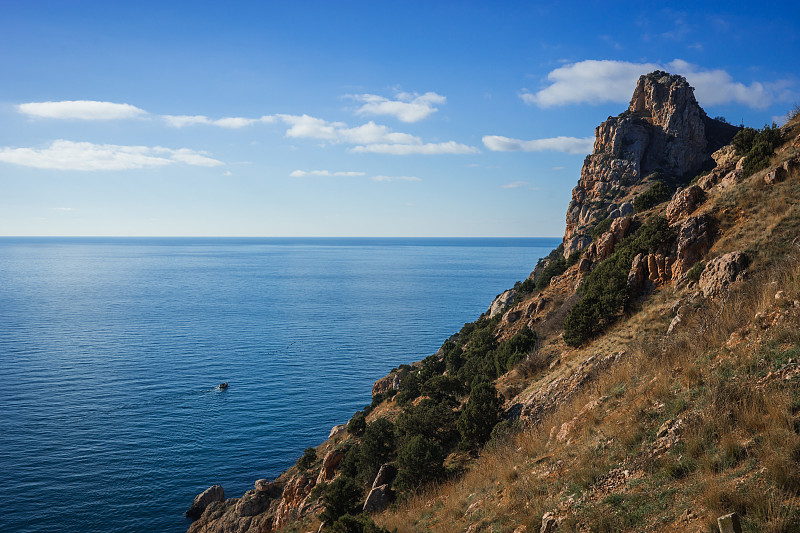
x,y
324,173
396,178
450,147
63,209
305,126
80,110
569,145
597,82
406,107
180,121
514,185
69,155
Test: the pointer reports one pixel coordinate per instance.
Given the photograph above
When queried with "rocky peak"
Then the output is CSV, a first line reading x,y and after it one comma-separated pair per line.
x,y
664,130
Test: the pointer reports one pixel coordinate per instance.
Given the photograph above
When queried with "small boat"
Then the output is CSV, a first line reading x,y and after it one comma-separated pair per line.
x,y
223,386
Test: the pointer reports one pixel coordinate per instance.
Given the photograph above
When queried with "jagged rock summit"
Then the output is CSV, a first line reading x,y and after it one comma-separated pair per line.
x,y
663,132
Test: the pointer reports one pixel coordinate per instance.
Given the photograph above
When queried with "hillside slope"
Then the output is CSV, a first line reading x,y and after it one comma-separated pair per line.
x,y
644,378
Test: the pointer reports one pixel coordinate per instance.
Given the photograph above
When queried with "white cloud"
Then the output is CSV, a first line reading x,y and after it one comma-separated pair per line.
x,y
590,81
305,126
596,82
514,185
396,178
80,110
569,145
558,168
180,121
227,173
450,147
63,209
712,87
324,173
406,107
69,155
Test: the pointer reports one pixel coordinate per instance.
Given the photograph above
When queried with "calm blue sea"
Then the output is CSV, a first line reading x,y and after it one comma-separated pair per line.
x,y
110,351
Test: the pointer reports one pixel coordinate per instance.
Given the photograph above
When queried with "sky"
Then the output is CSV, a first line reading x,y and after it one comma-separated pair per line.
x,y
379,118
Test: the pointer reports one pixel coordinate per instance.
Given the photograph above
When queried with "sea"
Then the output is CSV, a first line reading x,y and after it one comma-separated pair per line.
x,y
112,350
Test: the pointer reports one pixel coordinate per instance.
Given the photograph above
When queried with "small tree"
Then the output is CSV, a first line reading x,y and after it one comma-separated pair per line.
x,y
357,424
482,412
419,462
308,459
377,448
341,497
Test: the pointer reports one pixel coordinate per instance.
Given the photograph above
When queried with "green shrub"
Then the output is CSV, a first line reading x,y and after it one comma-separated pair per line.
x,y
432,420
757,146
480,415
356,524
440,387
696,270
377,448
357,424
308,459
341,497
604,291
653,196
508,355
419,462
555,267
601,227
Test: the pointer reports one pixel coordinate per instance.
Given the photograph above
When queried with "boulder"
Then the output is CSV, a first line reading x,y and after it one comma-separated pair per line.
x,y
213,493
252,503
637,275
501,302
548,523
378,499
329,464
720,272
692,243
626,209
385,475
390,382
776,175
683,203
341,428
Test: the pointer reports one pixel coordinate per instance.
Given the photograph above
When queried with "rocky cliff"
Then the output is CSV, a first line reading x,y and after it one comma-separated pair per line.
x,y
663,134
651,384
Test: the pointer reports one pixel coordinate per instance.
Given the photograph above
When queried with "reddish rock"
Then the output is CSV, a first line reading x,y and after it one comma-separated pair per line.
x,y
721,272
683,203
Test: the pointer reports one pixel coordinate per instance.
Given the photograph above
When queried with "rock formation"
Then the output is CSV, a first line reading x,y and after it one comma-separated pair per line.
x,y
663,130
215,493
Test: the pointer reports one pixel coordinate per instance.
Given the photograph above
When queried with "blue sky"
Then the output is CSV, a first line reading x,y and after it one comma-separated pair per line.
x,y
346,118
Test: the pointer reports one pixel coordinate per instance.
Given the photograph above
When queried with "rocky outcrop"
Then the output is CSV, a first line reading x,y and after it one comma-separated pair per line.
x,y
604,246
295,495
692,243
664,130
721,272
683,203
214,493
390,382
378,499
330,463
501,302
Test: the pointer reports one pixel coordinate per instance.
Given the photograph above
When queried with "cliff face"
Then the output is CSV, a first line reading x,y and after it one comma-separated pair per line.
x,y
664,130
710,342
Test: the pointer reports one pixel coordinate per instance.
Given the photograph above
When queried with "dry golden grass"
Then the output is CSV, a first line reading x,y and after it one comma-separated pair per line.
x,y
740,450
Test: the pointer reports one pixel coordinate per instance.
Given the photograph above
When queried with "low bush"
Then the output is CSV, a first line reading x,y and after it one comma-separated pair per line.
x,y
653,196
356,524
308,459
757,147
482,412
341,497
419,462
604,291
